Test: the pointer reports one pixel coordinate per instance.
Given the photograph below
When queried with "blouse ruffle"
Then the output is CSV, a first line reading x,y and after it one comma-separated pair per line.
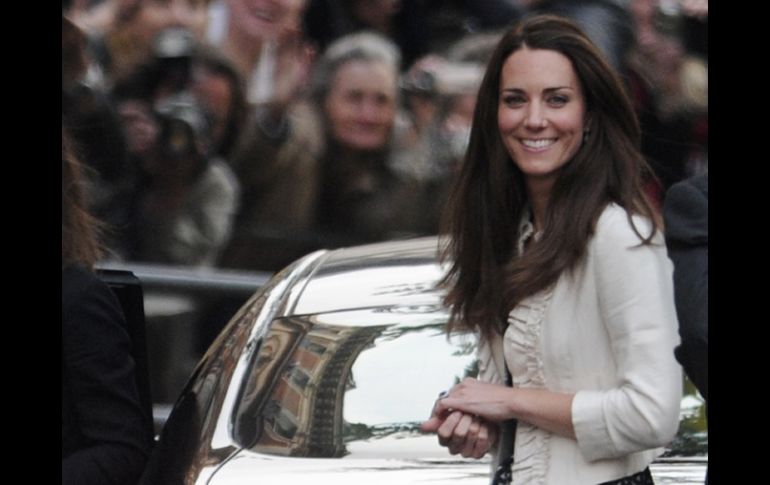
x,y
523,353
524,357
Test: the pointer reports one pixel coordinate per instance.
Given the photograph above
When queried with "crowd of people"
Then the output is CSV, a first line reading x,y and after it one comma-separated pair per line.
x,y
245,133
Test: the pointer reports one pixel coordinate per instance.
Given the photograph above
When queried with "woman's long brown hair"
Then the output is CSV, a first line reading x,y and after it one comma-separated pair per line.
x,y
79,229
486,279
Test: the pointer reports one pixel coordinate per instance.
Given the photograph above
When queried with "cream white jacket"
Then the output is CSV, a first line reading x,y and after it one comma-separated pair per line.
x,y
606,332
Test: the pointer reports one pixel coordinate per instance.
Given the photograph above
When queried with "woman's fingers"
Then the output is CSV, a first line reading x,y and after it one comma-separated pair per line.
x,y
482,443
460,435
463,434
471,439
431,425
447,428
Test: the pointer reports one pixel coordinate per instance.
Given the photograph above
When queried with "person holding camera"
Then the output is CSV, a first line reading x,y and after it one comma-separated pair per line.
x,y
184,199
187,208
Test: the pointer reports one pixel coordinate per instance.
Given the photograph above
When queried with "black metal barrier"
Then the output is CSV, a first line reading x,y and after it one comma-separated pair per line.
x,y
184,310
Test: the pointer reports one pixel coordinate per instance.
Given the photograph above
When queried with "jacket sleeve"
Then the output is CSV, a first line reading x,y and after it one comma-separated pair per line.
x,y
199,232
686,215
636,305
279,176
107,442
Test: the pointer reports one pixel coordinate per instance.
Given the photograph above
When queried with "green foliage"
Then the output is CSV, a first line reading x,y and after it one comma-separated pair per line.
x,y
692,437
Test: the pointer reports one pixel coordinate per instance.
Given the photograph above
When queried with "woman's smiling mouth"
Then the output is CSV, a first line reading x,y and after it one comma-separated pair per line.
x,y
538,144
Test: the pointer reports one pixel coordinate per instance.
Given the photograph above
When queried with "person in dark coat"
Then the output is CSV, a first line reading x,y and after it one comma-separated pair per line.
x,y
685,213
105,433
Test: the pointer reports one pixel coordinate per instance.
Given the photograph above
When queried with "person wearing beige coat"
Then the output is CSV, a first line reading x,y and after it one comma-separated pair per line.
x,y
558,264
615,354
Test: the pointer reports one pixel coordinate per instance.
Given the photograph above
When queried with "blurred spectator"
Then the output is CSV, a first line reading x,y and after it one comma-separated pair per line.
x,y
355,87
440,92
187,201
181,66
670,87
275,154
123,32
167,70
105,433
608,23
219,89
184,199
440,95
338,188
141,126
418,27
178,109
94,127
401,22
263,39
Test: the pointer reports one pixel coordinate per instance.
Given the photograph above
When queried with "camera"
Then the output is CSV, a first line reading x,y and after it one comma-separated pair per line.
x,y
447,78
184,130
173,52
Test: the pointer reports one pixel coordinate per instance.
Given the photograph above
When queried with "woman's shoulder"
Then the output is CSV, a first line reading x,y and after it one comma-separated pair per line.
x,y
76,279
82,288
614,224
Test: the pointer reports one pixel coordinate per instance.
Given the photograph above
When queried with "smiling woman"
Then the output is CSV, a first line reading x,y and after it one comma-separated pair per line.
x,y
355,88
541,115
361,106
558,265
327,172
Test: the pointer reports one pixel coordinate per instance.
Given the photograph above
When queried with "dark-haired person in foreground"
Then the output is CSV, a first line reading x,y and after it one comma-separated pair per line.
x,y
104,431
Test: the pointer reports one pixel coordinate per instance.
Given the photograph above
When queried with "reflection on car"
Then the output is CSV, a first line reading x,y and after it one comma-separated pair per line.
x,y
325,374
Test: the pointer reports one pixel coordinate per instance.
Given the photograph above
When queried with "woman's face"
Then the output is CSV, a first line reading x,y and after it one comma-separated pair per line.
x,y
266,19
156,15
361,105
541,112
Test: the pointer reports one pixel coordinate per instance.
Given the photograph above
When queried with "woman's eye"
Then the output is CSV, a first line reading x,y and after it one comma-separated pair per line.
x,y
354,96
513,100
558,100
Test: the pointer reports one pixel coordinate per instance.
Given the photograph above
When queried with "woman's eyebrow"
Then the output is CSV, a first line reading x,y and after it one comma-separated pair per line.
x,y
546,90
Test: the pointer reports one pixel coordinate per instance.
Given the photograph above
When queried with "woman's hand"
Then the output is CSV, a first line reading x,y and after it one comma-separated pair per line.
x,y
495,403
294,60
463,434
458,424
492,402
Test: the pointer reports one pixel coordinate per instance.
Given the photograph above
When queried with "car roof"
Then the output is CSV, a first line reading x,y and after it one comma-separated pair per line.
x,y
393,273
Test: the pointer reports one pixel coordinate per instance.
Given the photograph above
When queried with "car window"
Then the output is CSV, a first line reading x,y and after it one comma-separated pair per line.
x,y
351,384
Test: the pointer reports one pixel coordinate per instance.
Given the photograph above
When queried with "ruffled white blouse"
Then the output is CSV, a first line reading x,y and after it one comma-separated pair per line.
x,y
606,332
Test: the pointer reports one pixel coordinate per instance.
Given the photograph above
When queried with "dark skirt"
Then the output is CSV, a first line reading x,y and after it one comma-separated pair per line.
x,y
644,477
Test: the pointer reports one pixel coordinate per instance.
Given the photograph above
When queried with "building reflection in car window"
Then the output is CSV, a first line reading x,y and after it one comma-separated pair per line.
x,y
318,389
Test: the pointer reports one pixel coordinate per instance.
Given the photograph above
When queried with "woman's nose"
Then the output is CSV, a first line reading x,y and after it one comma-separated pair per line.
x,y
370,111
535,118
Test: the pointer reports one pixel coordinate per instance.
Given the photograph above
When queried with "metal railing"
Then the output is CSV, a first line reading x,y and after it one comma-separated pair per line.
x,y
160,277
172,339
